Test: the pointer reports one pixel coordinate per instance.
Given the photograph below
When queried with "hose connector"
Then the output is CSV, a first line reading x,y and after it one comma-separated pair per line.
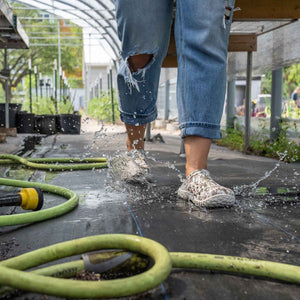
x,y
32,198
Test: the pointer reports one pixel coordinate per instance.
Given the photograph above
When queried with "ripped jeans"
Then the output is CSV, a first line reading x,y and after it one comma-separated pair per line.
x,y
201,33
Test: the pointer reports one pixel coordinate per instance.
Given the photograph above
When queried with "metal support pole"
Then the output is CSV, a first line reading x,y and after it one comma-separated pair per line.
x,y
6,92
30,92
99,91
167,99
47,82
248,102
100,87
276,102
55,86
36,84
60,78
87,85
108,83
148,133
112,96
59,56
182,150
230,108
41,82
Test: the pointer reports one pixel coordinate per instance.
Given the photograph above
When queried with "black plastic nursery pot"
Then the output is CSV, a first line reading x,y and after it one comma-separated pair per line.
x,y
45,124
14,108
69,123
25,122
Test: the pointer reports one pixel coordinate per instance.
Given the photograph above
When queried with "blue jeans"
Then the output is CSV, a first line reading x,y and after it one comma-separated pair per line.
x,y
201,33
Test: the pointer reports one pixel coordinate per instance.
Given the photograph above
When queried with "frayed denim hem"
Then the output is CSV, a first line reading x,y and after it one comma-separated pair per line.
x,y
201,129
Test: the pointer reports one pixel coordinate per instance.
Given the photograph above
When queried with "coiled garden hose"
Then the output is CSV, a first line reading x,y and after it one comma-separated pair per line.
x,y
12,270
49,164
41,215
55,164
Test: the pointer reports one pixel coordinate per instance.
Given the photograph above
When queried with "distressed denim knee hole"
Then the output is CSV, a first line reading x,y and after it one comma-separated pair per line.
x,y
139,61
135,66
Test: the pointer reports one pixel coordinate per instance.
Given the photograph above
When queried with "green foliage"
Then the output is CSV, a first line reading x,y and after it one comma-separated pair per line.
x,y
65,106
283,148
294,73
291,79
71,56
232,139
290,110
266,83
101,109
76,83
46,106
43,56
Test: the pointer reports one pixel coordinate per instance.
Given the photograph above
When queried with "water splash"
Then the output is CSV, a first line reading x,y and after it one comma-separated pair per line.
x,y
249,190
167,164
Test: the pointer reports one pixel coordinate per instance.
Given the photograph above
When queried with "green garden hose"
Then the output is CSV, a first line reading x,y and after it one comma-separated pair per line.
x,y
49,164
10,274
55,164
36,216
12,270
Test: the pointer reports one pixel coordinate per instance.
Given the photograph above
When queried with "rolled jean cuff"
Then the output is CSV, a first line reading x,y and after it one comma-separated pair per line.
x,y
205,130
137,120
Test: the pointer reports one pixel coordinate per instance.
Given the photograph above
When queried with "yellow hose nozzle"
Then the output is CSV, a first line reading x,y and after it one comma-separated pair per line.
x,y
32,198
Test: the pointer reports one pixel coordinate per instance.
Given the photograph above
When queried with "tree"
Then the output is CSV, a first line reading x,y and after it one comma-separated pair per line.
x,y
42,57
292,78
17,66
266,83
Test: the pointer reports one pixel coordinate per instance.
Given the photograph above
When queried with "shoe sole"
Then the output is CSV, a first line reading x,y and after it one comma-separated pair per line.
x,y
215,201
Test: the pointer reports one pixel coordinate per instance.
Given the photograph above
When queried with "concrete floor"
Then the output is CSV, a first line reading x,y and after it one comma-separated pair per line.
x,y
263,226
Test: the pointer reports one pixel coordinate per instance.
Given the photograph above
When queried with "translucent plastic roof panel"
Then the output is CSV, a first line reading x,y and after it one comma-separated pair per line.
x,y
277,44
95,16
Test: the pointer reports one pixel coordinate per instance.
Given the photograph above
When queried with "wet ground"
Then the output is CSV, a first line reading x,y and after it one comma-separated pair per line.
x,y
263,225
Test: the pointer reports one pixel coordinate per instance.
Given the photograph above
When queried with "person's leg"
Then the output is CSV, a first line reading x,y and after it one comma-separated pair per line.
x,y
201,32
135,137
144,30
196,151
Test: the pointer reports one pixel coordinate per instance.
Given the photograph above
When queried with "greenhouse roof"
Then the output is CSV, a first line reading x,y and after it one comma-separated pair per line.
x,y
251,20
